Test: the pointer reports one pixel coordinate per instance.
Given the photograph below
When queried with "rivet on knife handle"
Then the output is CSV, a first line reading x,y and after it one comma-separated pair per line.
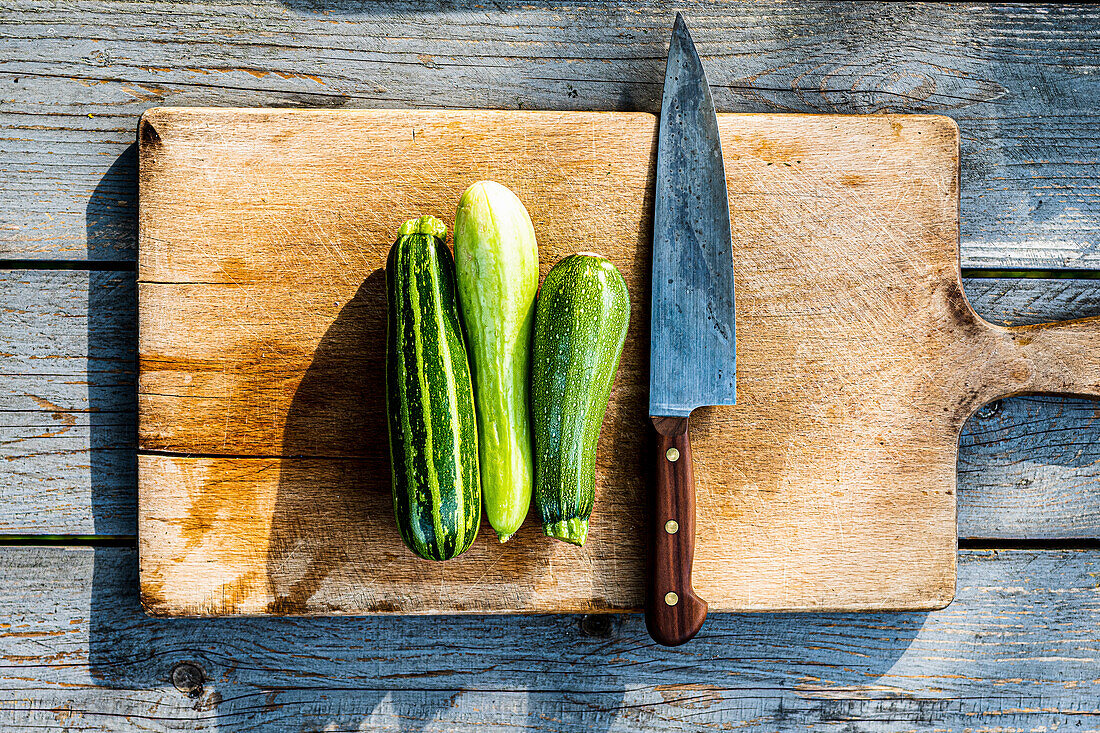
x,y
674,613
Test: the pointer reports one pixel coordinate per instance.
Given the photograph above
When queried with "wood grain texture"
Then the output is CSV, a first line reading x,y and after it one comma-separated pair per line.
x,y
1027,469
1019,80
71,93
68,404
1015,651
1008,492
863,358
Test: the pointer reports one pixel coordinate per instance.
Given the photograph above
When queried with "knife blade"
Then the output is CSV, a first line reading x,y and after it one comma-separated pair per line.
x,y
692,358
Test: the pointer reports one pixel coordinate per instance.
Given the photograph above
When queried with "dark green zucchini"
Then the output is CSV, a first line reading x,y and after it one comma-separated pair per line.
x,y
429,397
580,325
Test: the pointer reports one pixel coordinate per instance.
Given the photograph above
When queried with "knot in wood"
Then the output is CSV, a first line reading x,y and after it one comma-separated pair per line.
x,y
188,679
989,411
597,625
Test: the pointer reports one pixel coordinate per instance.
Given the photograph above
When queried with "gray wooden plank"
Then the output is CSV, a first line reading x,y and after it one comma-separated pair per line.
x,y
1027,469
68,473
1019,80
69,340
1015,651
67,402
1026,301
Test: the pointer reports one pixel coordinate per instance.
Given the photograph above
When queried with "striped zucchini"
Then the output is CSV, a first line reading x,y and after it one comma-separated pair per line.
x,y
498,277
429,397
580,326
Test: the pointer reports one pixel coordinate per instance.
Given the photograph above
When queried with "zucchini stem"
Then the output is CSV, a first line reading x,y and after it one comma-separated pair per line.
x,y
574,531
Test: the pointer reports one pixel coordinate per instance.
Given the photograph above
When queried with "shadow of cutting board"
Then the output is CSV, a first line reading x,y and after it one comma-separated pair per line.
x,y
263,471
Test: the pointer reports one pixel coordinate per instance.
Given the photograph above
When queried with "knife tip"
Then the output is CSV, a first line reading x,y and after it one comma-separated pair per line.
x,y
680,30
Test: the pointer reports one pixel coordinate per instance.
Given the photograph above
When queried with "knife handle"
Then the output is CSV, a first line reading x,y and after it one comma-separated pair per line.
x,y
673,613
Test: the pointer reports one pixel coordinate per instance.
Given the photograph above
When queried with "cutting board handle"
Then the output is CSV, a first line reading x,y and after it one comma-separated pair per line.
x,y
1053,358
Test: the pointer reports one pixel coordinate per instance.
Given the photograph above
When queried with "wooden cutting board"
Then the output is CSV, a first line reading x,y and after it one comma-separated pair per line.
x,y
263,471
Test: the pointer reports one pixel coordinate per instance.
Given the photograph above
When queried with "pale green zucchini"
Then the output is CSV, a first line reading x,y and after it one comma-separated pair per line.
x,y
498,276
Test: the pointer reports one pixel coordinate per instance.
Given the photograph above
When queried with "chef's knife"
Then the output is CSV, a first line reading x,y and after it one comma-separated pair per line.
x,y
692,334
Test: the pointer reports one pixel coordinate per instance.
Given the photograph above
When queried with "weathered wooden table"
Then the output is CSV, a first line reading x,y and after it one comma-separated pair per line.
x,y
1018,650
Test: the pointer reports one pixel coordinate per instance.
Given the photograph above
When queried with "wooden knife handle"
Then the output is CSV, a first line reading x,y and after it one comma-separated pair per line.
x,y
673,613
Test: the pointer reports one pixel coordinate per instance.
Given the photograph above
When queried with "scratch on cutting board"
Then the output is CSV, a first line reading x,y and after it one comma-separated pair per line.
x,y
380,574
286,241
492,565
844,480
229,403
330,245
241,289
592,177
